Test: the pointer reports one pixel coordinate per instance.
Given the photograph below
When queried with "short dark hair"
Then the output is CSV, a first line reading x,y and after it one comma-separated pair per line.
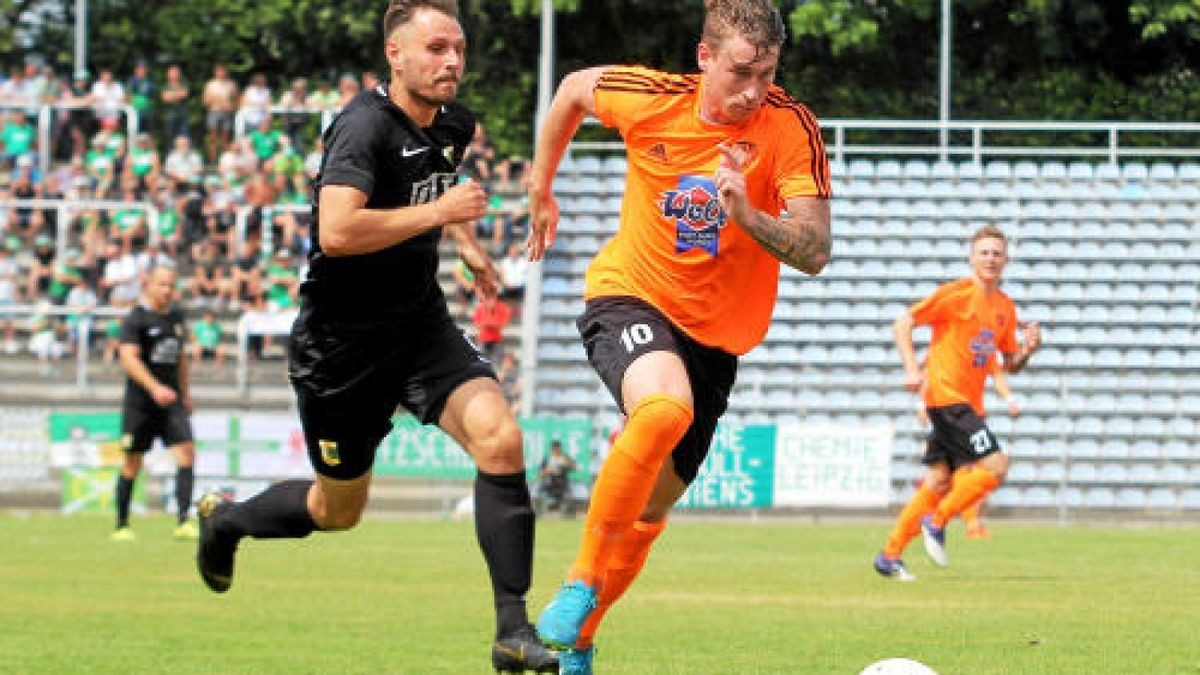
x,y
756,20
400,12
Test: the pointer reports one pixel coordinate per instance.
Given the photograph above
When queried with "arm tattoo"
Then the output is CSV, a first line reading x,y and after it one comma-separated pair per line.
x,y
799,239
1017,363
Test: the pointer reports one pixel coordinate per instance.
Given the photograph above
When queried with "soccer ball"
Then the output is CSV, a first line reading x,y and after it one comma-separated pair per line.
x,y
898,667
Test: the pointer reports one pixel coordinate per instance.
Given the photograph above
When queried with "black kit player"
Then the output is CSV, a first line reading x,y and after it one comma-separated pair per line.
x,y
373,330
157,403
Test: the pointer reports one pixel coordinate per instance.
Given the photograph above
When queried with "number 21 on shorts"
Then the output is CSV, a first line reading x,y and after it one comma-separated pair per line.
x,y
981,441
636,334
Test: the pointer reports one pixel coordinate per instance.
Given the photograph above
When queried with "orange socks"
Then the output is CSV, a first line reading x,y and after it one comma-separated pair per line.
x,y
627,479
970,515
969,488
908,524
627,560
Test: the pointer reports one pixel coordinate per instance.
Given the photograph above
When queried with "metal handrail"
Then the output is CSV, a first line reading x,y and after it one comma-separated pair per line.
x,y
87,316
45,123
64,206
239,117
1113,147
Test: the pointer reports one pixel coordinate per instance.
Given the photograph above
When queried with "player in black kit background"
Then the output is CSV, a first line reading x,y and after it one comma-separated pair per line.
x,y
157,402
373,331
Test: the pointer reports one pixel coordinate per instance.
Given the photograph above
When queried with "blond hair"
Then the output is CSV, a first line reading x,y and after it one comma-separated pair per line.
x,y
758,21
989,232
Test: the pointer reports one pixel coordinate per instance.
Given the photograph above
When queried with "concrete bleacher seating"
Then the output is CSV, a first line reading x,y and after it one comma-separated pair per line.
x,y
1104,256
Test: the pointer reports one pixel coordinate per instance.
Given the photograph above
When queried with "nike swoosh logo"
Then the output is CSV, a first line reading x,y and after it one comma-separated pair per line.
x,y
406,152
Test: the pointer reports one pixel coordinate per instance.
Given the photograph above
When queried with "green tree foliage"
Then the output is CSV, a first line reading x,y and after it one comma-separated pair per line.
x,y
1026,59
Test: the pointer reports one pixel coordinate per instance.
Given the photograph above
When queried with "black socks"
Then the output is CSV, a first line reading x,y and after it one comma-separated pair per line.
x,y
124,496
279,512
185,478
504,527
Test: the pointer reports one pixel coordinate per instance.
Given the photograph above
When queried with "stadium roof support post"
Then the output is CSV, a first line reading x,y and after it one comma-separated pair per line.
x,y
944,82
43,132
531,315
243,357
82,335
81,10
1064,515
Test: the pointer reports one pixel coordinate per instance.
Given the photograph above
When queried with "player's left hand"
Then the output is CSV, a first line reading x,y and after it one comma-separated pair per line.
x,y
543,222
487,281
1033,336
1014,410
730,182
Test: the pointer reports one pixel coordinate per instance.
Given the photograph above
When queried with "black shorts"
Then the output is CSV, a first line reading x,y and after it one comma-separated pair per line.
x,y
617,330
959,437
140,425
349,382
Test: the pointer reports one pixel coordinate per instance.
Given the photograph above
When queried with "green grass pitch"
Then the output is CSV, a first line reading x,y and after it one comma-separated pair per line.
x,y
731,596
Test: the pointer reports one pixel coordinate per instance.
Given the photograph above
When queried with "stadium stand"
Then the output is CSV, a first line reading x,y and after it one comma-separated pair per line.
x,y
1105,257
87,207
1105,252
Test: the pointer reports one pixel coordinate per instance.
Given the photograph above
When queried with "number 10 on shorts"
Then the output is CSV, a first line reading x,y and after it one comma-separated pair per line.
x,y
636,334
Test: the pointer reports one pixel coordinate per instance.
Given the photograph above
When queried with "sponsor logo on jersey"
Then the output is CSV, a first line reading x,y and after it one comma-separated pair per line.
x,y
697,214
431,188
982,347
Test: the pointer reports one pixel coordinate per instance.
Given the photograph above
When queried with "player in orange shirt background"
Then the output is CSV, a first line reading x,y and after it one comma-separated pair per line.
x,y
727,178
973,515
972,319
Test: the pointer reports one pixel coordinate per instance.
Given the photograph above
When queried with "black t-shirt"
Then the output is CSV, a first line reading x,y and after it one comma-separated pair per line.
x,y
160,337
375,147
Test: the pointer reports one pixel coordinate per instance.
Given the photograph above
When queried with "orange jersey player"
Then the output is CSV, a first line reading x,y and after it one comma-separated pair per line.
x,y
727,178
972,515
972,320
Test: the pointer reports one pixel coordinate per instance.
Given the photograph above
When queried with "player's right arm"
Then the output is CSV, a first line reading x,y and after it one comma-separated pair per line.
x,y
1000,382
131,360
574,100
348,227
902,331
350,172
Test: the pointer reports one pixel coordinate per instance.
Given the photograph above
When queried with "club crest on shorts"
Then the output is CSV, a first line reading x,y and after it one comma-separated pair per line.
x,y
329,452
697,214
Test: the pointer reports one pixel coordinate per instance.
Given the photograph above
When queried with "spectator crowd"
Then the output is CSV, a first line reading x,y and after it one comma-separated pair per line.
x,y
216,178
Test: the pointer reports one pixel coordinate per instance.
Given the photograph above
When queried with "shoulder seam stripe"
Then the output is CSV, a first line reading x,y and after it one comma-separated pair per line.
x,y
816,144
666,85
642,90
